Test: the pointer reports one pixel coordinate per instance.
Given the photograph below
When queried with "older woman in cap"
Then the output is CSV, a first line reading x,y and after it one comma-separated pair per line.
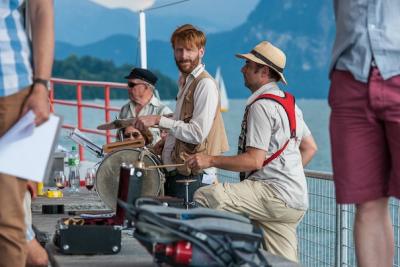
x,y
274,145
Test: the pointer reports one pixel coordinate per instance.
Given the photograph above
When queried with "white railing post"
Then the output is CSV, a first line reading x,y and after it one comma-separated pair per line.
x,y
344,233
342,239
143,44
338,241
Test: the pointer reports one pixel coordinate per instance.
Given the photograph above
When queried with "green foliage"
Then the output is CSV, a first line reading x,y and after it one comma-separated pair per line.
x,y
93,69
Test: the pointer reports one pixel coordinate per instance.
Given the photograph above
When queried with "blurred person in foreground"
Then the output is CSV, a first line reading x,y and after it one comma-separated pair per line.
x,y
364,98
36,254
24,77
274,146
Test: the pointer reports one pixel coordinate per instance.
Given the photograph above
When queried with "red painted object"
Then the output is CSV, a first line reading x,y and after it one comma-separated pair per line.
x,y
180,251
79,104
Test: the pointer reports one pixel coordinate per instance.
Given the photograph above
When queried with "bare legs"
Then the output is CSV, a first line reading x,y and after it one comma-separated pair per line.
x,y
373,234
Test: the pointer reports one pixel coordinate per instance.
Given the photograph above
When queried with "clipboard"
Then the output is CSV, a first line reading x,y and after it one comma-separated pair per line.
x,y
26,151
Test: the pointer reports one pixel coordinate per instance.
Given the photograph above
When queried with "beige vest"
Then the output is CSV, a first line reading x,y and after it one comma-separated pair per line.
x,y
216,142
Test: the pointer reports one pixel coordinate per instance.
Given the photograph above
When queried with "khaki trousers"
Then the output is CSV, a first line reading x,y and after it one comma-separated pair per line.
x,y
257,201
12,190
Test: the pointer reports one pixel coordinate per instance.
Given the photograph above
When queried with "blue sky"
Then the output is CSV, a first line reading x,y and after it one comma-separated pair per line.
x,y
224,14
111,17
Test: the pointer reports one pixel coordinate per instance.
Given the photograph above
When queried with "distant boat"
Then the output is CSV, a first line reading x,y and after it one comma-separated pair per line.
x,y
222,89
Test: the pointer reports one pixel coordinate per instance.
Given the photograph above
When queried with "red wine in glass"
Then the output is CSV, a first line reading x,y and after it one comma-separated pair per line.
x,y
60,179
60,186
89,186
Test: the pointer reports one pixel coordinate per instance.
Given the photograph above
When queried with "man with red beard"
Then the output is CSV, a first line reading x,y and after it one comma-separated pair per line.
x,y
197,125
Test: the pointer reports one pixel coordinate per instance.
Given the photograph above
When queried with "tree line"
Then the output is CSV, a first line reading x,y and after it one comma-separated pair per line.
x,y
94,69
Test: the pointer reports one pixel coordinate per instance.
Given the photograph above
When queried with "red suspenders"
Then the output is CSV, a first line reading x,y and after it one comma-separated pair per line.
x,y
288,104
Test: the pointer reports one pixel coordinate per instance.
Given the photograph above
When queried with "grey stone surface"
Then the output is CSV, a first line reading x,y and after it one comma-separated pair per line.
x,y
84,200
131,254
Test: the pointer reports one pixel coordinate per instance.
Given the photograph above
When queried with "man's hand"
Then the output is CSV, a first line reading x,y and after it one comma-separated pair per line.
x,y
199,161
37,255
144,122
38,102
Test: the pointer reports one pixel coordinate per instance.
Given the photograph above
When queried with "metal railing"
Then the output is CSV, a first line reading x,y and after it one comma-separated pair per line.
x,y
80,104
325,234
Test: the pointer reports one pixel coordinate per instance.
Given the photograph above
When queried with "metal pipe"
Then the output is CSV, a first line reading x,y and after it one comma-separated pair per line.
x,y
51,96
339,235
107,110
80,117
143,45
78,86
344,235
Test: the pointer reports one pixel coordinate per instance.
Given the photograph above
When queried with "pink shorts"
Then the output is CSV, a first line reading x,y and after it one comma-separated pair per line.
x,y
365,136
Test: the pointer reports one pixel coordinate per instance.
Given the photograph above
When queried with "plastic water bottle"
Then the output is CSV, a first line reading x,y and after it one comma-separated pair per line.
x,y
73,166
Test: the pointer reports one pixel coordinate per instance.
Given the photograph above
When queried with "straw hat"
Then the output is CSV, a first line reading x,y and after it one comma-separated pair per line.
x,y
266,54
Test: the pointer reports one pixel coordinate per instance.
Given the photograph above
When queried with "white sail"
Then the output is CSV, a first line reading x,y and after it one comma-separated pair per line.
x,y
222,89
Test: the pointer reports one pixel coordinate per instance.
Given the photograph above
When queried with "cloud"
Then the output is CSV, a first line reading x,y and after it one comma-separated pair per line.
x,y
302,42
306,66
287,5
280,39
325,20
128,4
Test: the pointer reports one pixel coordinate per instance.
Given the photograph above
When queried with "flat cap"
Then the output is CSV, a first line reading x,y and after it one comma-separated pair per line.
x,y
142,74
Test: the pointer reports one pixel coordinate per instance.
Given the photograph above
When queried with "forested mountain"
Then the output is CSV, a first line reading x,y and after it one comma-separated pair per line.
x,y
304,30
93,69
84,22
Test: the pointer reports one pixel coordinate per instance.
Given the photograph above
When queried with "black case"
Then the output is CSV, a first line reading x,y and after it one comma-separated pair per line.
x,y
88,239
99,235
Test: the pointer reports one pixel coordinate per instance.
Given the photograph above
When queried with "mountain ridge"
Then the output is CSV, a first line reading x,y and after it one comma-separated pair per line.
x,y
304,31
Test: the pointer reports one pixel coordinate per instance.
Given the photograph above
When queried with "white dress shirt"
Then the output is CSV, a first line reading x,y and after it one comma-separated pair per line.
x,y
206,98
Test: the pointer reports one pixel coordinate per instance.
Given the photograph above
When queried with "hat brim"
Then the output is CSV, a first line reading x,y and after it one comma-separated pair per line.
x,y
259,61
140,78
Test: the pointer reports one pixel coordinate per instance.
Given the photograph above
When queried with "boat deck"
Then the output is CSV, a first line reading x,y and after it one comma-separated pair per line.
x,y
131,254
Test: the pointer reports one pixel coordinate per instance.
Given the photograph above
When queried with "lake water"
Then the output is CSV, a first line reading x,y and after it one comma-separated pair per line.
x,y
319,224
316,114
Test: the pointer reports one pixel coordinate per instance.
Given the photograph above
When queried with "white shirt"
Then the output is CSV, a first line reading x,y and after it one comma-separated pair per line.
x,y
206,98
268,129
153,107
15,53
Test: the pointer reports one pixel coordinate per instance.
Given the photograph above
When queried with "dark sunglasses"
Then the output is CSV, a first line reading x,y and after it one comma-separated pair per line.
x,y
132,135
131,84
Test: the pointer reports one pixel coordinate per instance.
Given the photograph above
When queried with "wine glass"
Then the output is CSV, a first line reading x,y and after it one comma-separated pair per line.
x,y
90,178
60,179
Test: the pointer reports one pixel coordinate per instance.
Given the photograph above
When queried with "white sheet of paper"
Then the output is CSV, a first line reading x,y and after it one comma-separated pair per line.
x,y
23,128
25,150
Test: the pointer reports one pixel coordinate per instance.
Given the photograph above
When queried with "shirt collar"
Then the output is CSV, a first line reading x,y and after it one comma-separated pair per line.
x,y
196,72
266,88
155,101
193,75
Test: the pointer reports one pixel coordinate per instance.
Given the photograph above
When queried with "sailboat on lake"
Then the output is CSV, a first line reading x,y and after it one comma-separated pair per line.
x,y
222,89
